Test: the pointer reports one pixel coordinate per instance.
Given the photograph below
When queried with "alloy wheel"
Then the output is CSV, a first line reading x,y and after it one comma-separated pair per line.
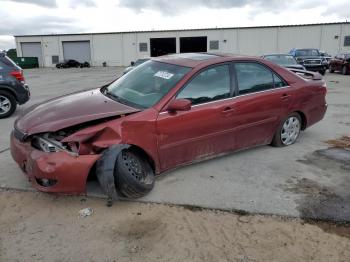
x,y
5,105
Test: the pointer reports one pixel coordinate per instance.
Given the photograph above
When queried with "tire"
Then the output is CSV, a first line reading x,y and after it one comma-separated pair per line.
x,y
133,173
281,140
322,72
344,70
8,104
331,69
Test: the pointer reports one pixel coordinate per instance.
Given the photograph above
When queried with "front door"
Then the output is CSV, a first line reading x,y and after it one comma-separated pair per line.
x,y
200,132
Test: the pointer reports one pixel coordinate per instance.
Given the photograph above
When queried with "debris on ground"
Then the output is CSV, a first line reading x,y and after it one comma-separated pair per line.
x,y
343,142
86,212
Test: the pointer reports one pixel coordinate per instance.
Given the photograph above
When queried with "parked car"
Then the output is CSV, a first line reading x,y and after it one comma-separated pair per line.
x,y
284,60
72,63
135,64
311,59
167,112
13,88
341,63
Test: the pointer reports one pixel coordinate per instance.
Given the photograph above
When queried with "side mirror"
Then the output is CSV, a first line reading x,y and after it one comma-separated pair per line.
x,y
132,63
179,105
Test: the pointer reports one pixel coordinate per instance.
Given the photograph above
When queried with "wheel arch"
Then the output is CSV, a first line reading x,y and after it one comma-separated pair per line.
x,y
303,119
9,90
103,168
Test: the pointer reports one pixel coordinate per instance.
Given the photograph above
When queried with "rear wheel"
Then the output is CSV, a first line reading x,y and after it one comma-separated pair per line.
x,y
331,69
133,174
288,131
8,104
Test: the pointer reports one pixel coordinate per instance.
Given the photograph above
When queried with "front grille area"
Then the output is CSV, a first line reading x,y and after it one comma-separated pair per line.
x,y
19,135
312,62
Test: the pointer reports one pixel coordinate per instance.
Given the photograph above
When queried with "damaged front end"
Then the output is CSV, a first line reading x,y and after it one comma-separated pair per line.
x,y
61,161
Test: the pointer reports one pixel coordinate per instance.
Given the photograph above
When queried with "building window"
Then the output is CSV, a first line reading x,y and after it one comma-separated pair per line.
x,y
143,47
214,45
347,40
55,59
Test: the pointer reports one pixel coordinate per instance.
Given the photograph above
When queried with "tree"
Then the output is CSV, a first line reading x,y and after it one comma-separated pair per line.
x,y
12,53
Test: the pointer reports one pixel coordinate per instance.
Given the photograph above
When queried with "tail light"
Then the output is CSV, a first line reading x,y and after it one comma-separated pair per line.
x,y
18,75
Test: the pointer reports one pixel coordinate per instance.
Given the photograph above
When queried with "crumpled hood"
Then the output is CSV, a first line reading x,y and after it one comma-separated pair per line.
x,y
67,111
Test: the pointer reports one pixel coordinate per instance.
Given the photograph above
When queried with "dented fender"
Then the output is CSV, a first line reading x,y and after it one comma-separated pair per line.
x,y
96,138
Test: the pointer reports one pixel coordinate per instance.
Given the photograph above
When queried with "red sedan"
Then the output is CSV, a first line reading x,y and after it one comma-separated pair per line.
x,y
341,63
168,112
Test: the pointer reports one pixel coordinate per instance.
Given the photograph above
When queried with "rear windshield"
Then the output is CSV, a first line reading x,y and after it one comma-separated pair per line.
x,y
281,59
6,61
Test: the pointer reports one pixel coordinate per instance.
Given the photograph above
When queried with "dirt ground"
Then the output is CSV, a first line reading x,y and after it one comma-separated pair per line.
x,y
41,227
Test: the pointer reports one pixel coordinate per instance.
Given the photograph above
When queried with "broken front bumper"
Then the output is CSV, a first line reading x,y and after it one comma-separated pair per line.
x,y
60,171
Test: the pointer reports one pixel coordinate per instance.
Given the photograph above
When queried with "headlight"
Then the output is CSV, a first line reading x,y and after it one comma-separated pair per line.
x,y
45,145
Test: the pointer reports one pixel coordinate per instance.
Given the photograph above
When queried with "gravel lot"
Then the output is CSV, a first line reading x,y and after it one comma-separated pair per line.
x,y
40,227
297,181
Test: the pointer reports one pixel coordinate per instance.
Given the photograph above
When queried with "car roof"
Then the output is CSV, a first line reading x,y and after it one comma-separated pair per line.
x,y
196,59
278,55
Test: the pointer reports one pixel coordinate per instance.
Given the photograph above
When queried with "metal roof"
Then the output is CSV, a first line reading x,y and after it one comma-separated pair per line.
x,y
186,30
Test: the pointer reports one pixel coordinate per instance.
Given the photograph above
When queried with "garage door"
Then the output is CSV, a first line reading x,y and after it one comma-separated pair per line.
x,y
32,50
78,50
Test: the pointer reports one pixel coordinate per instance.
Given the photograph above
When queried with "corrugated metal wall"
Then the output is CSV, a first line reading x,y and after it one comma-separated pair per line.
x,y
119,49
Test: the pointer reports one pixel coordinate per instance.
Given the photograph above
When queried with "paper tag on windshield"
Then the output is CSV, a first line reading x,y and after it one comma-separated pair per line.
x,y
163,74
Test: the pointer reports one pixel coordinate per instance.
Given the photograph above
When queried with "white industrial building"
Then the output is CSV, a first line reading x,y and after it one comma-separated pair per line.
x,y
120,48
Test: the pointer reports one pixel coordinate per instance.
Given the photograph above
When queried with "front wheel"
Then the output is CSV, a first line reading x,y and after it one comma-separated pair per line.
x,y
133,174
322,72
288,131
331,69
8,104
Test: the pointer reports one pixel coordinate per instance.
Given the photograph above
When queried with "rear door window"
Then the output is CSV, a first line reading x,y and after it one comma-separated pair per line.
x,y
5,61
254,77
210,85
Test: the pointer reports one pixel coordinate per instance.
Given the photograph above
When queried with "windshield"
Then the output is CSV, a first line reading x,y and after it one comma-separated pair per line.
x,y
144,86
140,61
307,52
282,59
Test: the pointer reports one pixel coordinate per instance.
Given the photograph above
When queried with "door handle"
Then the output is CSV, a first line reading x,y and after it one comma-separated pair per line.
x,y
285,96
228,109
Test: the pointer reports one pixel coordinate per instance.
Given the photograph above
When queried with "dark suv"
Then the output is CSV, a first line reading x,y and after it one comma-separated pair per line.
x,y
311,59
13,89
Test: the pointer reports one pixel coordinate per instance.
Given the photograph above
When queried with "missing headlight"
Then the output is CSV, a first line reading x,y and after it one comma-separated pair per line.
x,y
45,145
48,144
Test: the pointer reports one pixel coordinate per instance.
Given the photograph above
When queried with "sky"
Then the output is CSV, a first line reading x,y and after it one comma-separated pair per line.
x,y
27,17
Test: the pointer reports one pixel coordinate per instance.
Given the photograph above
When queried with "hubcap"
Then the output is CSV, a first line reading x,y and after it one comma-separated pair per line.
x,y
290,130
5,105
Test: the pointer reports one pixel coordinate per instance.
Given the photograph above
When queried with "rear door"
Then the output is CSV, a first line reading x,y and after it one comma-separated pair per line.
x,y
262,99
